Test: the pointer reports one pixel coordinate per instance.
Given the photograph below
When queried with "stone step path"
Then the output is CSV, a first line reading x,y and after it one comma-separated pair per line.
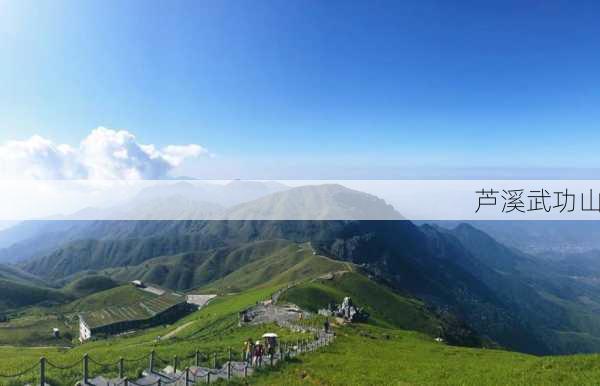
x,y
234,369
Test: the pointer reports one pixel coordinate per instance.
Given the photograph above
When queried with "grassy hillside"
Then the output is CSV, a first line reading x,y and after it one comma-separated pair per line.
x,y
20,289
485,288
379,353
118,296
368,355
11,273
33,327
290,263
15,295
386,308
89,284
213,329
229,269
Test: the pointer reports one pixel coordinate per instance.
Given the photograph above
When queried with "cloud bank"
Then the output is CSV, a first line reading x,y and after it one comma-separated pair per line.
x,y
103,154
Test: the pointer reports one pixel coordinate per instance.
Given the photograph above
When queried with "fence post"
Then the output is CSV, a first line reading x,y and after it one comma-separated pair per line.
x,y
214,360
229,366
121,368
151,363
42,371
125,381
208,378
197,358
187,376
175,364
85,369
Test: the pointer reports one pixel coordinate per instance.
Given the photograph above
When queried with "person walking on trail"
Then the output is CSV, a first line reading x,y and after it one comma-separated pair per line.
x,y
248,350
326,326
270,346
258,353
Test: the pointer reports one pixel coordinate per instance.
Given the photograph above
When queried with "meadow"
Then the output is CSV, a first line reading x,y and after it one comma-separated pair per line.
x,y
369,355
214,329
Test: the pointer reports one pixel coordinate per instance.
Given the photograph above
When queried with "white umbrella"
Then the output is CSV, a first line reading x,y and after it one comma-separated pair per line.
x,y
269,335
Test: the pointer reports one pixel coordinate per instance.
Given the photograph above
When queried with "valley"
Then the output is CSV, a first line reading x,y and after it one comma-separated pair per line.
x,y
435,295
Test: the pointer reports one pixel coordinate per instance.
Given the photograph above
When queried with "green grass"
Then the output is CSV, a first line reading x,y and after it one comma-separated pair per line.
x,y
212,329
386,308
368,355
283,265
140,310
119,296
89,284
383,352
33,327
364,354
229,269
268,264
16,295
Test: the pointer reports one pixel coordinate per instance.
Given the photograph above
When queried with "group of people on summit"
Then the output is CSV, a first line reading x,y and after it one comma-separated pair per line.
x,y
255,351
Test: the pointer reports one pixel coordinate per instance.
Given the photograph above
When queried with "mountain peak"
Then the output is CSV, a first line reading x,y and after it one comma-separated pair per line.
x,y
316,202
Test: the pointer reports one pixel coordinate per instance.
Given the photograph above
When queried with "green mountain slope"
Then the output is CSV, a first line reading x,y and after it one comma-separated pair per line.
x,y
229,269
425,263
15,274
449,271
368,355
118,296
562,305
386,308
15,295
289,264
89,284
361,354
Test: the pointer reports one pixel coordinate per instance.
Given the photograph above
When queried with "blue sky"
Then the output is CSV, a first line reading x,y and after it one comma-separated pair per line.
x,y
330,84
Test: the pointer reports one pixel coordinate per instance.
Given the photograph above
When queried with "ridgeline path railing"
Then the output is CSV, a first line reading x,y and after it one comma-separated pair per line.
x,y
199,367
173,373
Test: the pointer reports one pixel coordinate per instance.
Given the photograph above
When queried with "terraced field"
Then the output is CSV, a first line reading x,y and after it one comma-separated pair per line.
x,y
147,308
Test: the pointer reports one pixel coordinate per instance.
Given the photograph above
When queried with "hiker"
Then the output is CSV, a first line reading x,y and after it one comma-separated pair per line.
x,y
258,353
326,325
270,346
248,350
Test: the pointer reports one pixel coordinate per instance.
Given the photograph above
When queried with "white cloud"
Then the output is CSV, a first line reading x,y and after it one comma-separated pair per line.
x,y
103,154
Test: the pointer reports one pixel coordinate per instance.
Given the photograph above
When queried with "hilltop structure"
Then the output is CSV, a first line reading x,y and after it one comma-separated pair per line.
x,y
162,307
347,311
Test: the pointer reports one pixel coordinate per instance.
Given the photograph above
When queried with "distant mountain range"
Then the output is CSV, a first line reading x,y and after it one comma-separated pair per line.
x,y
183,201
521,301
540,237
